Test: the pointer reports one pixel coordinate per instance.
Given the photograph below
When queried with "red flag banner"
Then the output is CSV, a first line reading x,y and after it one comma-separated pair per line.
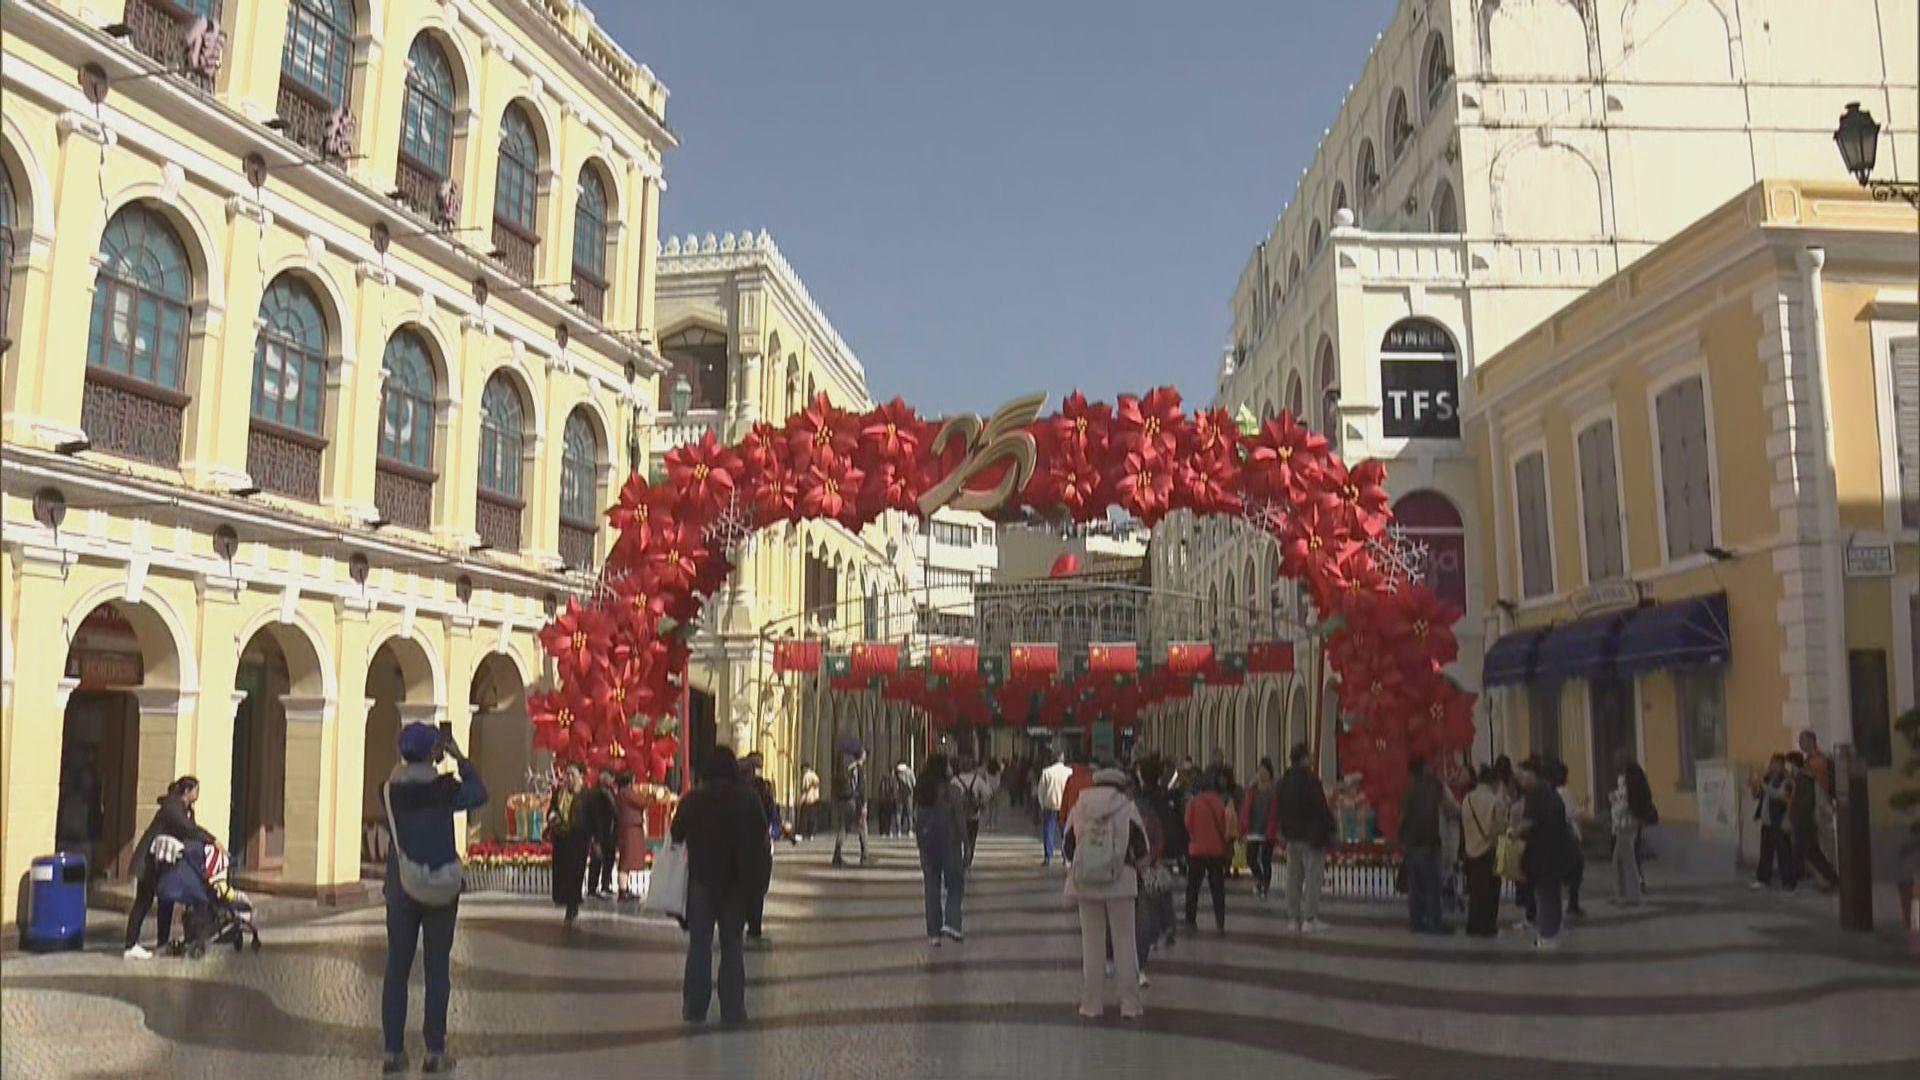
x,y
1034,659
1270,658
800,656
1113,659
1189,657
956,661
872,659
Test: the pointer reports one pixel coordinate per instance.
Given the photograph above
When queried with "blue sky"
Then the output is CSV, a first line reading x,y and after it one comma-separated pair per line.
x,y
995,196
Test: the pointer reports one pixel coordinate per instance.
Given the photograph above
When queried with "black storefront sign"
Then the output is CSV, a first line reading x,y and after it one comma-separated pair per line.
x,y
1421,398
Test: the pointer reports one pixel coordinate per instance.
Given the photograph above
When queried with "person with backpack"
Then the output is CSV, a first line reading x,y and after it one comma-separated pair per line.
x,y
729,861
850,803
1307,826
1105,842
1207,851
977,786
424,881
940,829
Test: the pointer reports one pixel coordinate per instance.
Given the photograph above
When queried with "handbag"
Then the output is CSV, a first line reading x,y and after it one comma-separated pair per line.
x,y
428,886
667,888
1508,856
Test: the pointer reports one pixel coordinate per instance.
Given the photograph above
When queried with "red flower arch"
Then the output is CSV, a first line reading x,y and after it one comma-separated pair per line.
x,y
620,655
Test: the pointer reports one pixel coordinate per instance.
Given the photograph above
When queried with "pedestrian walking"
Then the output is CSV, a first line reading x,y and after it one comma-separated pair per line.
x,y
1153,916
1307,826
1550,852
850,803
1577,868
570,831
769,810
940,824
1105,841
1771,792
172,818
1640,801
1804,795
603,832
1626,832
1483,821
808,813
977,785
1260,824
1207,852
634,801
903,779
1421,808
424,880
1051,792
729,861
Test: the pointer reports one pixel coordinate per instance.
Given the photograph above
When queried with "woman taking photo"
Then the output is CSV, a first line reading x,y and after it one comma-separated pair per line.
x,y
940,829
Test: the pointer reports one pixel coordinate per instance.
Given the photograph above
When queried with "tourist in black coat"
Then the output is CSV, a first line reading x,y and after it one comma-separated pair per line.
x,y
728,862
570,831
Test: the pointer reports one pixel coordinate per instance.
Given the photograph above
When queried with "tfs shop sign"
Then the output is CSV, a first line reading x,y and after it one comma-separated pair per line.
x,y
1422,398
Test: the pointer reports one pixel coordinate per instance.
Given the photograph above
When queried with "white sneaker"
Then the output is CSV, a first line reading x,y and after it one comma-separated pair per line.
x,y
1547,944
934,941
1143,981
138,952
1314,926
1109,969
953,934
1756,885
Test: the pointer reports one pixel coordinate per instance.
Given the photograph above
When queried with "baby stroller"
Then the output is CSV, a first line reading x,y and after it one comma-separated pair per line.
x,y
215,914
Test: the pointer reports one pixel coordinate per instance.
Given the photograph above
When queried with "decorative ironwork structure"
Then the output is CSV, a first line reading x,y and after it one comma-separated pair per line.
x,y
576,545
159,29
136,420
497,520
514,249
284,462
418,187
403,496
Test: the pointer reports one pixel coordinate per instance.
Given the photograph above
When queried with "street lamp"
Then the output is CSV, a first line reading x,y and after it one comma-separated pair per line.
x,y
682,399
1858,138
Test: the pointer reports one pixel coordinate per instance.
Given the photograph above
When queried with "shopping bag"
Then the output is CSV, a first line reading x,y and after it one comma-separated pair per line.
x,y
1507,857
667,889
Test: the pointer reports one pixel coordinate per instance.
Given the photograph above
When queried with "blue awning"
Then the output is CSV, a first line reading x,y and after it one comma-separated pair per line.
x,y
1685,633
1510,660
1579,650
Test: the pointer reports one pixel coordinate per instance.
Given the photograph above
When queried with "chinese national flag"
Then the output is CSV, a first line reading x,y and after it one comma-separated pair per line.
x,y
800,656
1119,659
956,661
1029,659
870,659
1270,658
1229,669
1189,657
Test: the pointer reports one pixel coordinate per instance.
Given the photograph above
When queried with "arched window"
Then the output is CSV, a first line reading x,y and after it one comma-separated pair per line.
x,y
426,126
516,194
1293,274
1313,242
137,339
1445,211
1431,520
1296,399
590,244
287,436
1399,127
1327,375
579,491
316,61
1366,175
407,403
9,214
1436,72
699,356
1339,200
502,426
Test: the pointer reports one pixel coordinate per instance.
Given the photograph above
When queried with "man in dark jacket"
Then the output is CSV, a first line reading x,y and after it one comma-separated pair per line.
x,y
603,831
770,808
728,862
1306,824
422,801
173,818
850,803
1420,846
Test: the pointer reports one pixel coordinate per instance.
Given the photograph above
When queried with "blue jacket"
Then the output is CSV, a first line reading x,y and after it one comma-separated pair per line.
x,y
424,802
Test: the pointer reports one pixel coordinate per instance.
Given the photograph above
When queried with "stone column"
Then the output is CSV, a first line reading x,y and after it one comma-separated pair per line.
x,y
31,730
163,753
310,776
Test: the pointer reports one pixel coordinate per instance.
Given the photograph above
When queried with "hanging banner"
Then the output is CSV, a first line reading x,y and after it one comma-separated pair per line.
x,y
1113,659
955,660
1270,658
872,659
1189,657
1226,669
1036,659
796,656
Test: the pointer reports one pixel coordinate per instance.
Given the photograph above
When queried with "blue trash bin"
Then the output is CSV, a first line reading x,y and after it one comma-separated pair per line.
x,y
56,903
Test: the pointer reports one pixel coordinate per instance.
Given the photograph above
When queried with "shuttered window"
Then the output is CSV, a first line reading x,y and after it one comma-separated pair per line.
x,y
1904,356
1536,543
1686,483
1600,503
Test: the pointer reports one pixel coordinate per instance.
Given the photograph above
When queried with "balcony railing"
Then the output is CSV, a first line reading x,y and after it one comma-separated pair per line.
x,y
159,29
515,249
132,419
577,541
305,115
419,187
497,520
590,293
403,496
284,462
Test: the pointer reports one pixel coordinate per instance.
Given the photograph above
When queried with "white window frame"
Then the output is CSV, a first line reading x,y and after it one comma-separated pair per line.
x,y
1894,317
1554,590
1581,425
1664,380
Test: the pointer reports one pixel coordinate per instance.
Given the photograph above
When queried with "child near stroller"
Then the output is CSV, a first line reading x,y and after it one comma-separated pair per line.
x,y
216,914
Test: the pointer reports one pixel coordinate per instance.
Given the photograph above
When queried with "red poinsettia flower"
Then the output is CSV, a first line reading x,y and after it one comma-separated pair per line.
x,y
636,607
660,753
1283,460
1444,725
891,487
1075,483
1082,428
1149,426
640,507
703,474
1419,614
674,556
1213,432
1210,481
892,433
1360,493
1313,537
712,574
563,723
829,487
771,489
1145,488
578,640
821,431
615,692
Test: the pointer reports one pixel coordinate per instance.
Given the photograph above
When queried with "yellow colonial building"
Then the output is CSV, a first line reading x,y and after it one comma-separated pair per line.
x,y
1701,482
745,342
325,322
